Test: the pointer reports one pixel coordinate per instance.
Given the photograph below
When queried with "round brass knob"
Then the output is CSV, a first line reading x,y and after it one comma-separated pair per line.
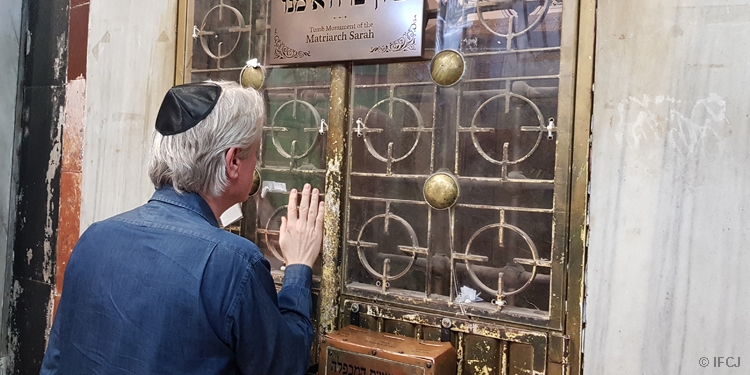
x,y
256,182
441,190
253,76
447,67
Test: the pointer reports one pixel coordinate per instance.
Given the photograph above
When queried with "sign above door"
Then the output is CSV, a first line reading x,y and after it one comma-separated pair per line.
x,y
307,31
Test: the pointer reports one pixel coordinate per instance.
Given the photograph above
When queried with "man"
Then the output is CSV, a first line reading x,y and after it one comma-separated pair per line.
x,y
162,289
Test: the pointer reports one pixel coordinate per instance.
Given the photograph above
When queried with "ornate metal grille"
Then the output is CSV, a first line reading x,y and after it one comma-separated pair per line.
x,y
493,134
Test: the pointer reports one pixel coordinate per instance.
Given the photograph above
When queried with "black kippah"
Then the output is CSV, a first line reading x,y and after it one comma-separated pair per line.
x,y
185,106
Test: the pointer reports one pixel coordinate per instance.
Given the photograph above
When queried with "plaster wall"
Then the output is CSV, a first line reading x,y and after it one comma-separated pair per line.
x,y
669,207
131,62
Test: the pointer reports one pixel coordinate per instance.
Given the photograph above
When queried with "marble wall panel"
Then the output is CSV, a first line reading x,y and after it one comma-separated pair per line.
x,y
130,66
669,208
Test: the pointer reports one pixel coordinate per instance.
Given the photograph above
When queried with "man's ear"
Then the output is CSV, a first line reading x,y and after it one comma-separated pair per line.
x,y
232,158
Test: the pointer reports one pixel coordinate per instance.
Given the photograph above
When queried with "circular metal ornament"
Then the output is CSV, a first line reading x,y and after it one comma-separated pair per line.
x,y
253,77
275,129
447,67
507,96
420,125
203,38
441,190
272,219
412,236
256,182
511,34
532,249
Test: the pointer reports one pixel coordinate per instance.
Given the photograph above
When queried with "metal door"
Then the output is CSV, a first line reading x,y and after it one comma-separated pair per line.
x,y
452,208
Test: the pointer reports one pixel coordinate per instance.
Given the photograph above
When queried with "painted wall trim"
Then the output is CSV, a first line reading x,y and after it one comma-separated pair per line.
x,y
13,41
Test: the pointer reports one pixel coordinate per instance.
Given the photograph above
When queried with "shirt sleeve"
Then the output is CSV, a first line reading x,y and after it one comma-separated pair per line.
x,y
273,333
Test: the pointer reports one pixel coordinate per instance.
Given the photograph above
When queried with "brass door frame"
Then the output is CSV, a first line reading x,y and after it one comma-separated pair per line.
x,y
565,330
330,287
579,184
185,10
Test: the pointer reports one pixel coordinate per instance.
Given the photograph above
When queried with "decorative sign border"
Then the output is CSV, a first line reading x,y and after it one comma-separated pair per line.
x,y
281,51
406,42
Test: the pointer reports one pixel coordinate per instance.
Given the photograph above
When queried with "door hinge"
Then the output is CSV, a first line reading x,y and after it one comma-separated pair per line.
x,y
559,350
566,355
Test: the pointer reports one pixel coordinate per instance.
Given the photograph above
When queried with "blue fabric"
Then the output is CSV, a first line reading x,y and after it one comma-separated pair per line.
x,y
163,290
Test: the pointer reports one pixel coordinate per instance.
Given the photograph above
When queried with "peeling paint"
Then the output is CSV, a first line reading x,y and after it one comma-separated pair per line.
x,y
13,346
60,61
479,367
50,315
460,353
48,272
330,269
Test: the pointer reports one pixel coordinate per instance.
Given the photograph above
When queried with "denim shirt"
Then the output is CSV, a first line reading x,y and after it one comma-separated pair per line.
x,y
162,289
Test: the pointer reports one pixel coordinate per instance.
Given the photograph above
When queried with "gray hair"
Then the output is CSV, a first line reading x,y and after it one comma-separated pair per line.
x,y
193,161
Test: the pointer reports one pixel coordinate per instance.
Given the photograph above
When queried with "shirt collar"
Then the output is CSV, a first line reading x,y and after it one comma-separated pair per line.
x,y
187,200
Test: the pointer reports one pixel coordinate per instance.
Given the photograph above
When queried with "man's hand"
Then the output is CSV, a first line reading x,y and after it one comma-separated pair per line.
x,y
301,233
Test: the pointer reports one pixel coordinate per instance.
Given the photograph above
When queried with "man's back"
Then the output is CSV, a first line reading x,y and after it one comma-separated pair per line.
x,y
162,289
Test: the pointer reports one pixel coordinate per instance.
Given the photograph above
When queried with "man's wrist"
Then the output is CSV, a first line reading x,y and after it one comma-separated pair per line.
x,y
291,263
298,274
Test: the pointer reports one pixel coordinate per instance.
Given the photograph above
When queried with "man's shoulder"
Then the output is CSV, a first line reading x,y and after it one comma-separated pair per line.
x,y
234,244
224,242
